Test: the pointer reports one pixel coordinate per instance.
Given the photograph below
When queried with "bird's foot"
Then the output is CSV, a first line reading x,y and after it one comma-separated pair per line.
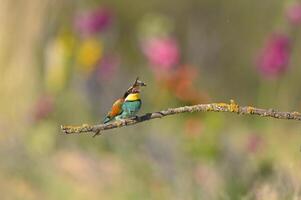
x,y
134,118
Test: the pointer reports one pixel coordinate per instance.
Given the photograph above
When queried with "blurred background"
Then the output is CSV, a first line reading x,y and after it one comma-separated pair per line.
x,y
65,62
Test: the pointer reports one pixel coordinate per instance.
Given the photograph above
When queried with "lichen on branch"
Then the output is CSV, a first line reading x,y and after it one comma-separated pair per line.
x,y
231,107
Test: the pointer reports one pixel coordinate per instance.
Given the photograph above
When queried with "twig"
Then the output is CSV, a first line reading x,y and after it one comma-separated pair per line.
x,y
212,107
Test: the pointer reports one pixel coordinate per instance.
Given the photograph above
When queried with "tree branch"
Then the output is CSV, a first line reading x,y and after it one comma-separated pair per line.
x,y
212,107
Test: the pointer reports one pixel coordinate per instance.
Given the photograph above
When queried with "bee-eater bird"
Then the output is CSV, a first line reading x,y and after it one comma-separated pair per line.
x,y
128,105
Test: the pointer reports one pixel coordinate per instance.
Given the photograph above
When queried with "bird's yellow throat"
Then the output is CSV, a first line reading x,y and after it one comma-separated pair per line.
x,y
133,97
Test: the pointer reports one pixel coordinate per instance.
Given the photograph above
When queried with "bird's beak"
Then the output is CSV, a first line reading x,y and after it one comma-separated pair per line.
x,y
139,83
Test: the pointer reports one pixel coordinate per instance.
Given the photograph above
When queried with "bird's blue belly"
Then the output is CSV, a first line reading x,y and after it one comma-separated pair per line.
x,y
130,108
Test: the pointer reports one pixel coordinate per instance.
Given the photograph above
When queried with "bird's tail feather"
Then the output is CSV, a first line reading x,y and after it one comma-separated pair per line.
x,y
107,119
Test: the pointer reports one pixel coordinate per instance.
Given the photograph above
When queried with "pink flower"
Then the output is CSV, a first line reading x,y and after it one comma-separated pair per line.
x,y
43,107
162,53
254,143
293,14
93,21
275,56
108,67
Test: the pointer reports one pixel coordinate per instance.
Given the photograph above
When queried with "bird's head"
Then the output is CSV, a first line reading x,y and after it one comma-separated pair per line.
x,y
138,83
135,88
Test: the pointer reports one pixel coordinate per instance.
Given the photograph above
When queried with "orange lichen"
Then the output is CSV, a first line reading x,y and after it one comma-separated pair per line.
x,y
250,109
234,107
210,108
75,129
222,105
296,113
85,125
